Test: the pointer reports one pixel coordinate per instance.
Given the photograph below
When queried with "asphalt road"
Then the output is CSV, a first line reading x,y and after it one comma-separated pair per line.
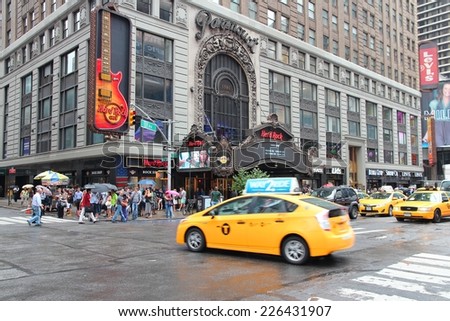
x,y
140,261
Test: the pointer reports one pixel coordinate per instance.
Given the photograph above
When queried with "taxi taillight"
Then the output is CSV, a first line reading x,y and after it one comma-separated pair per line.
x,y
324,221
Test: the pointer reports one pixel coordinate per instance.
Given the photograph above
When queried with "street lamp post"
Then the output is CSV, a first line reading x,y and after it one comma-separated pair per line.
x,y
169,143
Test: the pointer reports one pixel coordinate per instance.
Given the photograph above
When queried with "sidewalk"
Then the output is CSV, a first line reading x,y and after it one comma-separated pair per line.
x,y
17,206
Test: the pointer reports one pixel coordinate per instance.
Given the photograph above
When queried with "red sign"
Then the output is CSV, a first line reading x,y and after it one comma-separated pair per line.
x,y
431,142
12,170
270,134
195,143
155,163
428,62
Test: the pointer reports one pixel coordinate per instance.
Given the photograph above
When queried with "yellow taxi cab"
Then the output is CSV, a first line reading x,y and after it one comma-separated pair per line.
x,y
293,226
380,203
424,204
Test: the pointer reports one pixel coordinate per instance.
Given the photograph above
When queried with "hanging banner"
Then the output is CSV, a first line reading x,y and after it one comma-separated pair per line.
x,y
428,65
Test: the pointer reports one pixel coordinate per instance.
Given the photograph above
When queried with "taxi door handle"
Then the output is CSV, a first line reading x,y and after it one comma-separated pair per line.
x,y
240,222
279,221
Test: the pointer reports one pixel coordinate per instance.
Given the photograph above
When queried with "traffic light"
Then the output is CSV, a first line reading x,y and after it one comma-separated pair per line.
x,y
132,118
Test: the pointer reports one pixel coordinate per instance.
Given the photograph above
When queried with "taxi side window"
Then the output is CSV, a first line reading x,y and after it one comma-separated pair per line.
x,y
239,206
273,205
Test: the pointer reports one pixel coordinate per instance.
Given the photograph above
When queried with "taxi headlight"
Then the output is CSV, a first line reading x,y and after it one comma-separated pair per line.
x,y
396,208
425,209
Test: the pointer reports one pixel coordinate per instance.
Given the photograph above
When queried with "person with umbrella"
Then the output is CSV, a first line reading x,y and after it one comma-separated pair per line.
x,y
37,206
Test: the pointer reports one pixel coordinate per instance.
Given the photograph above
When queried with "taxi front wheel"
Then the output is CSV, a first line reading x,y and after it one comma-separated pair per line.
x,y
295,250
195,240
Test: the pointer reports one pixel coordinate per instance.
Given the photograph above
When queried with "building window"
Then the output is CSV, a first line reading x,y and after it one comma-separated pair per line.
x,y
353,104
144,6
414,159
372,132
308,91
402,138
332,98
271,18
52,36
312,37
326,69
27,84
387,135
401,118
281,84
300,31
334,22
325,17
301,60
69,63
76,20
387,114
389,156
371,109
65,28
308,119
166,10
43,9
403,158
272,49
285,54
354,128
300,6
311,10
333,124
284,24
413,121
372,155
235,5
313,64
154,47
41,42
53,7
252,10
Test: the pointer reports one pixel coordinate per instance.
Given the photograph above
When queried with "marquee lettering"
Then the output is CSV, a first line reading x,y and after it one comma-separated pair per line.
x,y
271,135
155,163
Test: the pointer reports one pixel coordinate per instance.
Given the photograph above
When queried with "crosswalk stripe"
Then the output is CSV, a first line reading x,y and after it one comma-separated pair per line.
x,y
420,269
14,219
23,220
428,261
415,276
398,285
433,256
360,295
5,223
370,231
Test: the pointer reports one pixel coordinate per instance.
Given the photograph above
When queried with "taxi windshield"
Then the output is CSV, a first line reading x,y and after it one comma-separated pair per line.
x,y
424,197
380,196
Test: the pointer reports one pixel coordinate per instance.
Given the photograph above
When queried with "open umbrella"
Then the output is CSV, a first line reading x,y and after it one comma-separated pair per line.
x,y
99,188
147,182
52,178
110,187
26,186
89,186
45,190
173,193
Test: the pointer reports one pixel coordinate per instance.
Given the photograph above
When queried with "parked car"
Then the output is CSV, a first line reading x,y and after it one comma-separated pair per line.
x,y
380,203
342,195
295,227
424,204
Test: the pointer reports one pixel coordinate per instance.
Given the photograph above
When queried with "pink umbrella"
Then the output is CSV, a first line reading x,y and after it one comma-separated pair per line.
x,y
173,193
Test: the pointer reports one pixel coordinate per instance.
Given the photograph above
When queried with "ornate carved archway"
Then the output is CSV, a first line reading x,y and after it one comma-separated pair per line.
x,y
223,43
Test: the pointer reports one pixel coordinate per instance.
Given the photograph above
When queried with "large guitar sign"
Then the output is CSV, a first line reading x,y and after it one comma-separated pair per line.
x,y
111,108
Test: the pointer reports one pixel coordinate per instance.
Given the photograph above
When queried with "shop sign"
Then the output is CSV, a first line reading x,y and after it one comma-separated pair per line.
x,y
336,170
96,172
204,19
318,170
391,173
148,172
271,134
375,172
418,174
156,163
195,143
406,174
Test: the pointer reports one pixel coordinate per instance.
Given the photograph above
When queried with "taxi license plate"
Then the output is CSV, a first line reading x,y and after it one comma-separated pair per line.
x,y
407,214
368,208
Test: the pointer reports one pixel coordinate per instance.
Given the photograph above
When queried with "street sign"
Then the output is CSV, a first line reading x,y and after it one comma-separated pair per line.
x,y
148,125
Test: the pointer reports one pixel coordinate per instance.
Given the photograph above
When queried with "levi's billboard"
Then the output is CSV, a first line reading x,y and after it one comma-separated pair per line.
x,y
428,65
109,72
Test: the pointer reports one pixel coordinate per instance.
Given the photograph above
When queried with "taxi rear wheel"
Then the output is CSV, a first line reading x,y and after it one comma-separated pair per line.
x,y
195,240
295,250
437,216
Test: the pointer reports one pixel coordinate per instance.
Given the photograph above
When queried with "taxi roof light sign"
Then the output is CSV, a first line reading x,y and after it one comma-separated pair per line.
x,y
274,185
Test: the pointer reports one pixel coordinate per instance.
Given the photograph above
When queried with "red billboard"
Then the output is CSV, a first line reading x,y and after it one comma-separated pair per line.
x,y
109,63
428,65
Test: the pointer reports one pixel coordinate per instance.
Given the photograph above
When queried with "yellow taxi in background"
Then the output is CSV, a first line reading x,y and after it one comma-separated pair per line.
x,y
424,204
295,227
362,195
380,203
